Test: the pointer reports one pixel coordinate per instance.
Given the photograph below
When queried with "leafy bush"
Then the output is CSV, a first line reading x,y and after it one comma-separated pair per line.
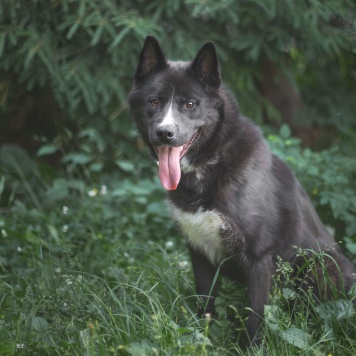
x,y
329,178
74,59
307,326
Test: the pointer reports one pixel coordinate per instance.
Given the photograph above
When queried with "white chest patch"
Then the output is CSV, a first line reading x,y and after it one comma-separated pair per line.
x,y
202,230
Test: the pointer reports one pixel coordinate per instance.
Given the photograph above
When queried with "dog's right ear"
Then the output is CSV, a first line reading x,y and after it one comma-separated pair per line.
x,y
151,59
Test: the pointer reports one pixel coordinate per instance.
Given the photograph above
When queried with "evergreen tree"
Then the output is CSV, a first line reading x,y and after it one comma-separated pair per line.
x,y
75,58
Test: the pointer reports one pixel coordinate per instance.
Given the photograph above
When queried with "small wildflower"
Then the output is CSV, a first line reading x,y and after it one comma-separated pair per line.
x,y
3,233
19,249
169,244
103,190
65,304
208,316
65,210
126,254
154,317
93,192
183,264
20,346
65,228
58,270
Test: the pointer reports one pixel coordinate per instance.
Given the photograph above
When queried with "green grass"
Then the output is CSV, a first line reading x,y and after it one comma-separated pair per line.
x,y
102,271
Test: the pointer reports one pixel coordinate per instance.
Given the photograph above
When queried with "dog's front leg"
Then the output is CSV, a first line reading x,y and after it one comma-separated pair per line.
x,y
204,273
259,283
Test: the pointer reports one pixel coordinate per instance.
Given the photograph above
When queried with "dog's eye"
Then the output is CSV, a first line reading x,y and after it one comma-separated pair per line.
x,y
189,104
154,102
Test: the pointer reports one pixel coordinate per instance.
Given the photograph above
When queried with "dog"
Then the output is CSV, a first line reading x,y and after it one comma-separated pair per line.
x,y
239,206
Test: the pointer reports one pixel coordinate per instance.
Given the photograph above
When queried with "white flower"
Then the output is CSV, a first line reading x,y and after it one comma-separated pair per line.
x,y
169,244
183,264
103,190
19,248
58,270
3,233
65,228
65,210
93,192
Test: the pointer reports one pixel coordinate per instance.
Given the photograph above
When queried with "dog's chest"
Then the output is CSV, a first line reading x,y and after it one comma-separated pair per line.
x,y
202,229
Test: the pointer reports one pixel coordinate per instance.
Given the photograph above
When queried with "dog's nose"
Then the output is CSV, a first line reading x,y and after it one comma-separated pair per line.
x,y
165,133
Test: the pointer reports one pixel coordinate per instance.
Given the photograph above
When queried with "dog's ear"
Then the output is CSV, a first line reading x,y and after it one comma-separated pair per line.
x,y
151,59
206,65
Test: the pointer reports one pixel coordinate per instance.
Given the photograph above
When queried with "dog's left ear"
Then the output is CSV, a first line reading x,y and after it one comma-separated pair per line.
x,y
206,65
151,59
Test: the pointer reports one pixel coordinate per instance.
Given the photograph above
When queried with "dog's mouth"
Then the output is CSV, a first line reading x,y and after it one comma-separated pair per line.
x,y
169,162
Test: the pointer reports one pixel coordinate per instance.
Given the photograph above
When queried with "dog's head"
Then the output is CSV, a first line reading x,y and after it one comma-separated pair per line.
x,y
175,105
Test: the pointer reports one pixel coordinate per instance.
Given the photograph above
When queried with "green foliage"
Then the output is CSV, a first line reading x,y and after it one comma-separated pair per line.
x,y
19,174
99,268
309,327
77,49
84,275
90,260
84,52
329,178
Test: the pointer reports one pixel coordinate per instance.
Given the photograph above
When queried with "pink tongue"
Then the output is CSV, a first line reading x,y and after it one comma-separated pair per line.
x,y
169,166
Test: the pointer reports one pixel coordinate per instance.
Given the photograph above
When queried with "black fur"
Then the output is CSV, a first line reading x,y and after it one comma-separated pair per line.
x,y
229,171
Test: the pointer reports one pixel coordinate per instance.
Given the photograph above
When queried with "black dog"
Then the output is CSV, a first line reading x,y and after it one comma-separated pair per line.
x,y
234,200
